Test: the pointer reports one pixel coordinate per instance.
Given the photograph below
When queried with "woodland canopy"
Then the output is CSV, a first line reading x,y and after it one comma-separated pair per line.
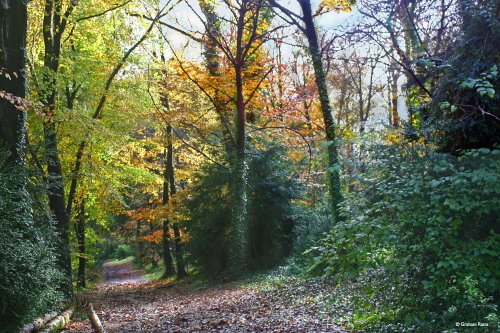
x,y
355,141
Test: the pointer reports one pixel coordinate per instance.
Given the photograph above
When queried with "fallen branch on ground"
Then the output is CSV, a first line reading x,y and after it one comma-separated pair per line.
x,y
58,322
94,320
38,323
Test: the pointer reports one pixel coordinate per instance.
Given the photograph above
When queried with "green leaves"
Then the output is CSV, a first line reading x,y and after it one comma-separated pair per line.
x,y
423,222
482,85
28,272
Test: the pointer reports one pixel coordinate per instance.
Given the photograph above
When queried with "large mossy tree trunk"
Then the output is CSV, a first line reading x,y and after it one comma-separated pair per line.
x,y
13,25
54,24
235,150
326,109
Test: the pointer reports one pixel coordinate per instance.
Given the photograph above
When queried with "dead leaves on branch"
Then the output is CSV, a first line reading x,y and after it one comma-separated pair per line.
x,y
22,104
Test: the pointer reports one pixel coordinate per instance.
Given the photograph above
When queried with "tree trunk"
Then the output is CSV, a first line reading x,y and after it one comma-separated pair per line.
x,y
53,28
57,205
326,110
80,236
58,322
38,323
394,98
179,259
167,255
154,262
238,253
138,240
407,13
94,320
13,25
212,63
361,103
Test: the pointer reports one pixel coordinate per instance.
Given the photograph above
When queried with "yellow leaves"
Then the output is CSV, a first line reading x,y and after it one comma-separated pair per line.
x,y
175,209
335,5
348,133
394,137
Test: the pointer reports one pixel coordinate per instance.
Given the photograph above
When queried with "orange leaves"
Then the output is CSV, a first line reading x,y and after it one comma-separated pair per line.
x,y
297,156
149,214
155,238
156,212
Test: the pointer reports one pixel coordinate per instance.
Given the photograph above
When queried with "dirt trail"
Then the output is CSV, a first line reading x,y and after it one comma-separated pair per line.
x,y
121,274
166,306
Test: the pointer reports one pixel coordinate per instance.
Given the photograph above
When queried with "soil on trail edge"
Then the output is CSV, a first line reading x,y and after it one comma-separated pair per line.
x,y
166,306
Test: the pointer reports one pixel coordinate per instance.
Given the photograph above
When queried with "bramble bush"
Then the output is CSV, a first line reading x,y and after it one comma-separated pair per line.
x,y
421,238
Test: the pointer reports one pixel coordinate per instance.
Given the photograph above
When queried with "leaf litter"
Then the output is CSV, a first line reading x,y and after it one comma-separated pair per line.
x,y
262,305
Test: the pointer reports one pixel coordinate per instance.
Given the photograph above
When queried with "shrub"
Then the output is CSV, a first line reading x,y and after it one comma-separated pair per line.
x,y
423,229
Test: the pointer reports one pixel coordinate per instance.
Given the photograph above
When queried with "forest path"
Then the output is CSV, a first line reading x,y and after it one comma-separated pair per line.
x,y
178,306
121,273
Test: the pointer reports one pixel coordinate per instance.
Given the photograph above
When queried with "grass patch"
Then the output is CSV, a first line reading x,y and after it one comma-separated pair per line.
x,y
115,262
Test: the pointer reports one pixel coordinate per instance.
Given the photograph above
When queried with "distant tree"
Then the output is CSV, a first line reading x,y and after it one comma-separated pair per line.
x,y
248,22
305,23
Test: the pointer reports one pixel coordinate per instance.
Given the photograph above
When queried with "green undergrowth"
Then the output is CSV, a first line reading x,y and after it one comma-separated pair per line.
x,y
154,272
117,262
417,249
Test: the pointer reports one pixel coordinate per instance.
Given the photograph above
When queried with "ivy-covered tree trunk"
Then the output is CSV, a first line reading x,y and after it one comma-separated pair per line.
x,y
393,91
179,259
138,242
238,252
326,110
13,25
212,63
